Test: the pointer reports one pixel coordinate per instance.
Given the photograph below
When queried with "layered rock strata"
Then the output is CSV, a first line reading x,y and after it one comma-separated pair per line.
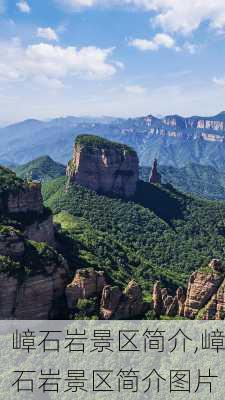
x,y
206,292
87,283
103,166
114,303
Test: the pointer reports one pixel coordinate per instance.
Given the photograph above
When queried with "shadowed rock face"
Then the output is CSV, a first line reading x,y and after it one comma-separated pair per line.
x,y
42,231
111,297
104,167
35,297
28,198
163,304
155,175
11,243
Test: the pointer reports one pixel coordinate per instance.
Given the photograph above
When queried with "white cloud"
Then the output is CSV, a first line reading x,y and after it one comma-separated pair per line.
x,y
135,89
53,64
47,33
190,47
219,81
160,40
49,83
23,6
173,15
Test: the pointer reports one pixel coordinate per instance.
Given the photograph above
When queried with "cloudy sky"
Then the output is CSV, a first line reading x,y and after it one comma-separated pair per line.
x,y
111,57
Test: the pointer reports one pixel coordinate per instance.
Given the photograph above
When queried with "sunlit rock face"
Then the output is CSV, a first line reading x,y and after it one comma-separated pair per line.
x,y
206,291
103,166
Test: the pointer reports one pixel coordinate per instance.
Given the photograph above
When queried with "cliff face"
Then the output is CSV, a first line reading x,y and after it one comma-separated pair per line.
x,y
22,203
34,297
114,303
33,275
205,298
103,166
27,198
87,283
206,293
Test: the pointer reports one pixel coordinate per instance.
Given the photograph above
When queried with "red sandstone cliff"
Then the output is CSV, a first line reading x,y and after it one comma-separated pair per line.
x,y
103,166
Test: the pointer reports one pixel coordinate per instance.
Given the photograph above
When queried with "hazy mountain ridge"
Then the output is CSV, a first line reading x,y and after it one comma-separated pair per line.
x,y
174,140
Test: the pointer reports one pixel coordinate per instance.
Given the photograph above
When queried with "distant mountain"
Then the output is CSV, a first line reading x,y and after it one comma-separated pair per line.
x,y
43,168
174,140
204,181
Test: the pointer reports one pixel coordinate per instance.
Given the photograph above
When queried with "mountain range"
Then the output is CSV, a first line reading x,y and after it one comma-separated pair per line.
x,y
90,229
174,140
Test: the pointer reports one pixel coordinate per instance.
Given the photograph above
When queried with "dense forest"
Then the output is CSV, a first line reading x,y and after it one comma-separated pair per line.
x,y
162,233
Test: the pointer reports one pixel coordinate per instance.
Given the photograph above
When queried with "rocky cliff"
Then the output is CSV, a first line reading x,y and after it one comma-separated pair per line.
x,y
206,293
21,205
113,302
33,275
205,298
103,166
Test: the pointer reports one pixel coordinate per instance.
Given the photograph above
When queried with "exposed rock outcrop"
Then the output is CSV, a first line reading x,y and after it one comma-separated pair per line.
x,y
131,304
155,176
22,202
205,297
128,304
111,297
11,242
33,275
38,296
157,297
164,304
205,291
34,297
42,231
27,198
103,166
114,303
87,283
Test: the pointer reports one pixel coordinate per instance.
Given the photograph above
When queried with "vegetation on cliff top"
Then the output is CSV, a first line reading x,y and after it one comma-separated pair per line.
x,y
92,141
8,180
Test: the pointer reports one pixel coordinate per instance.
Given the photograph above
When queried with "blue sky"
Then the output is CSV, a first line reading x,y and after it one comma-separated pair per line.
x,y
111,57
